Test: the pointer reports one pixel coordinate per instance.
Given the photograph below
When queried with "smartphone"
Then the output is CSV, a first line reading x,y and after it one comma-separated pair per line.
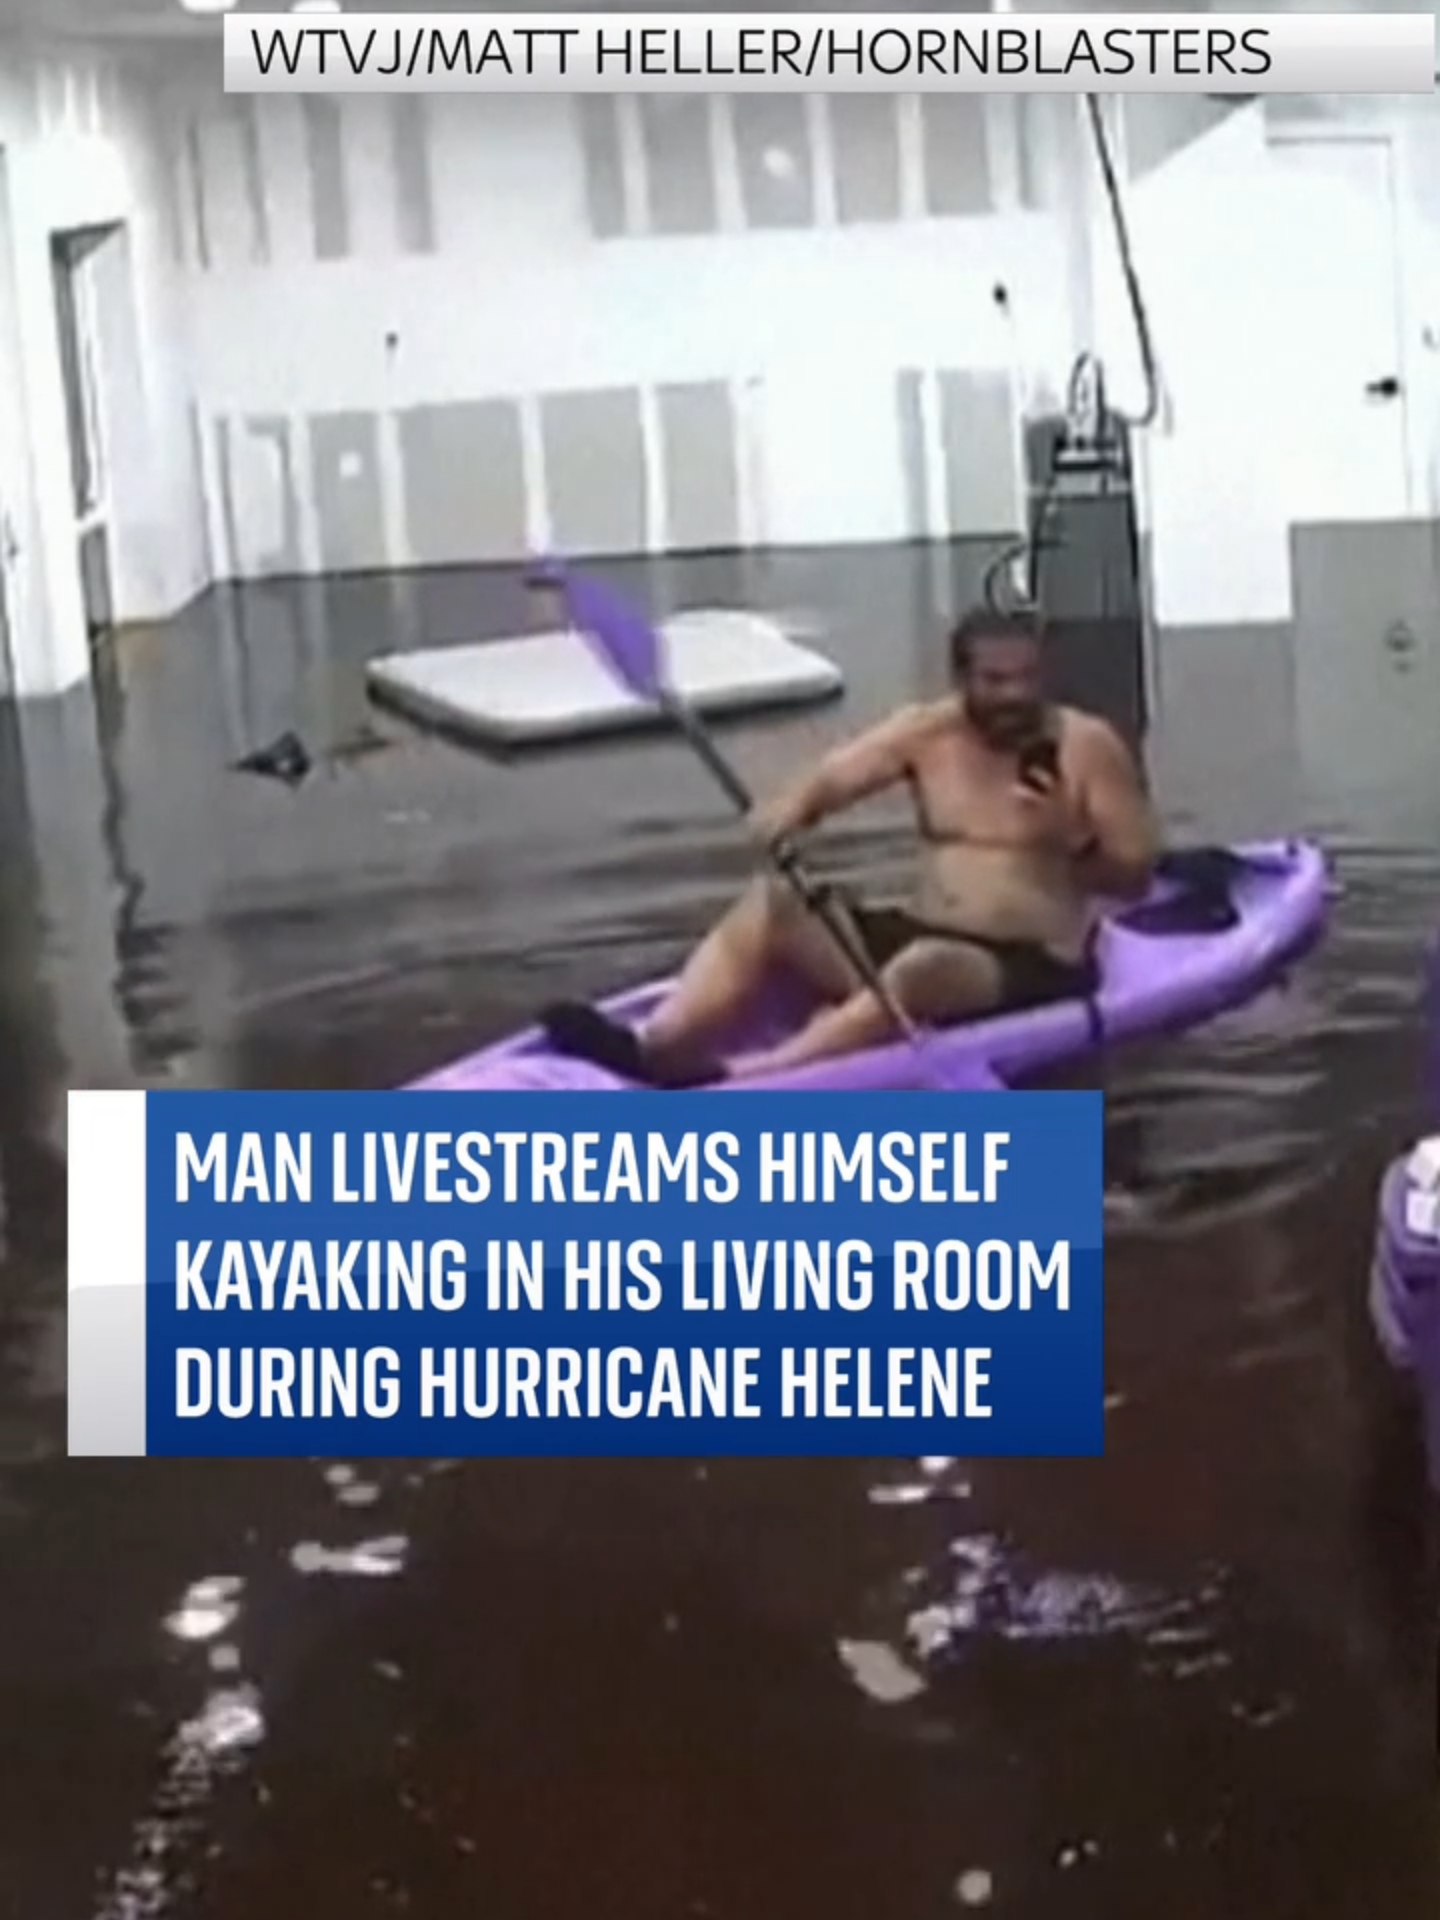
x,y
1039,764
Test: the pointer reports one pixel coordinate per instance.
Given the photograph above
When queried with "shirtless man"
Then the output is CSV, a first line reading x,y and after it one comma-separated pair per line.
x,y
1029,816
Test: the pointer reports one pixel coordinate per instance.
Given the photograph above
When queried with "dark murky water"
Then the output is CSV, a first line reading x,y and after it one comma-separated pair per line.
x,y
1193,1679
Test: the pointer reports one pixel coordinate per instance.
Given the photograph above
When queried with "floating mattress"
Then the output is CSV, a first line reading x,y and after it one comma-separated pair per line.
x,y
550,687
1219,926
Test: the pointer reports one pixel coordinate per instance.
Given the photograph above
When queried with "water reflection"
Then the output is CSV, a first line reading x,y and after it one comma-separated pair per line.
x,y
1148,1674
208,1747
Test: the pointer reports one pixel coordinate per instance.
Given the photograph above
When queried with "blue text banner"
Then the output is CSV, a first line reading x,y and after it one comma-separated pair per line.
x,y
575,1274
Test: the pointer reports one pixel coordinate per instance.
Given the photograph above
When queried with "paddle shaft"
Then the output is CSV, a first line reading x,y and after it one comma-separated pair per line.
x,y
788,866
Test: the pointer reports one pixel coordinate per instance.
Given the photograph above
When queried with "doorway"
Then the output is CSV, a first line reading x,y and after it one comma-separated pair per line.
x,y
74,262
1340,395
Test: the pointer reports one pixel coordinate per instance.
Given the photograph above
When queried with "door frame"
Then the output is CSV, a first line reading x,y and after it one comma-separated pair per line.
x,y
17,500
1415,389
77,330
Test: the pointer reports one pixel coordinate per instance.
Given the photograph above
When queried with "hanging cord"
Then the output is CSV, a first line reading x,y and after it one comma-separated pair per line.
x,y
1143,337
1091,407
999,598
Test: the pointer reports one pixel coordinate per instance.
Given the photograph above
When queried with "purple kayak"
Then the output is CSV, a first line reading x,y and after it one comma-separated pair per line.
x,y
1219,925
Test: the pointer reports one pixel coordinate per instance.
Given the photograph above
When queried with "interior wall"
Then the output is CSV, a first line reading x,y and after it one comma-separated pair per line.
x,y
1231,467
1412,123
363,332
535,325
79,136
1213,478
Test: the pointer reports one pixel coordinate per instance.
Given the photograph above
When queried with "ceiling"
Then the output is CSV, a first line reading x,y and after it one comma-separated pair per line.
x,y
165,19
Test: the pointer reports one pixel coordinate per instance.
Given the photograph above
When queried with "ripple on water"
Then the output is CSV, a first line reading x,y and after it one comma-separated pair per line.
x,y
208,1607
939,1480
370,1559
206,1747
1222,1115
985,1591
349,1489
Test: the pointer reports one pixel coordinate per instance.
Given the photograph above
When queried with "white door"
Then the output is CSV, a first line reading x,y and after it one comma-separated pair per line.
x,y
1334,334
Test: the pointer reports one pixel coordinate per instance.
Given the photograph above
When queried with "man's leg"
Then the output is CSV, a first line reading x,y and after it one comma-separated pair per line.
x,y
937,982
766,926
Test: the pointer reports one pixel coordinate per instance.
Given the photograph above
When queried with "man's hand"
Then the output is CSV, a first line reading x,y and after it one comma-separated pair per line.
x,y
775,822
1057,816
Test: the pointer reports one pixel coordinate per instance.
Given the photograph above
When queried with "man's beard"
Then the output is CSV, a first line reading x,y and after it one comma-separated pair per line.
x,y
1009,726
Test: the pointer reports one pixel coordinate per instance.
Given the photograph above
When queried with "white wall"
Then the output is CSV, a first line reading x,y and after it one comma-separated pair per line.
x,y
78,138
1412,125
519,298
1213,474
1238,458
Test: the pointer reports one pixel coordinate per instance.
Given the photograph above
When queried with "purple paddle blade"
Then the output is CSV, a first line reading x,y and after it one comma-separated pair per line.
x,y
625,641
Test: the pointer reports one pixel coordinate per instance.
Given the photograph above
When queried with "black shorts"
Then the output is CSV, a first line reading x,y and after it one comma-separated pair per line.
x,y
1030,977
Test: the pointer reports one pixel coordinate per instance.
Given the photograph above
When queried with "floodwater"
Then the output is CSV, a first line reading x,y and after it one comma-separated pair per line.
x,y
1192,1679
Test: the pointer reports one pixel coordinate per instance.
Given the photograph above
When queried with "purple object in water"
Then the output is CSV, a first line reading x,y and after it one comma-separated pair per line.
x,y
1187,953
1405,1272
1405,1294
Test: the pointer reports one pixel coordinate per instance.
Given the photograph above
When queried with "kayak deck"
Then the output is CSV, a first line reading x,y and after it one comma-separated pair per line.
x,y
1184,955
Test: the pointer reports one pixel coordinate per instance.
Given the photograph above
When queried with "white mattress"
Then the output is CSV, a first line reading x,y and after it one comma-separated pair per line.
x,y
550,686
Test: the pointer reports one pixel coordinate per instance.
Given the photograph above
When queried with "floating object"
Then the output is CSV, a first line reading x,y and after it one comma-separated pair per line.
x,y
549,687
1219,925
287,759
1405,1271
1405,1286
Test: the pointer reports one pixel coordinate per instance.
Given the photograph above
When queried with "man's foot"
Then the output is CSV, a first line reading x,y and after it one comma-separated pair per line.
x,y
585,1033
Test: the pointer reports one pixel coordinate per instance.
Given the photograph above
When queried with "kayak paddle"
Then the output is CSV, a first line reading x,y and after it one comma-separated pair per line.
x,y
631,649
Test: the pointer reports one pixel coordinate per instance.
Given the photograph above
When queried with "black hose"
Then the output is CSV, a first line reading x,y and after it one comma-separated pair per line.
x,y
1127,267
1028,548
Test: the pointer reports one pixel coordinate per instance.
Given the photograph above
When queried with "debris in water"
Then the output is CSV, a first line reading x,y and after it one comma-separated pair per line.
x,y
974,1888
880,1671
361,1493
373,1558
905,1493
1072,1853
207,1608
229,1719
286,759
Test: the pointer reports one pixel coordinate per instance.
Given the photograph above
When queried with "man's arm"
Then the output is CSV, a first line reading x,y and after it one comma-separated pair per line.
x,y
1125,835
851,772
